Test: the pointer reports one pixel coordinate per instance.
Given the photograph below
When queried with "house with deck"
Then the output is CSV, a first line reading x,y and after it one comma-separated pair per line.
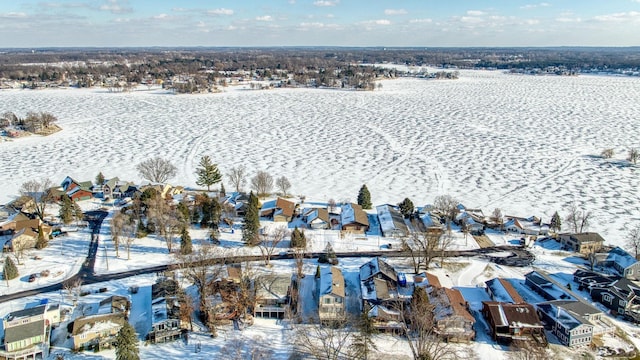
x,y
166,325
272,296
514,323
27,332
98,330
571,328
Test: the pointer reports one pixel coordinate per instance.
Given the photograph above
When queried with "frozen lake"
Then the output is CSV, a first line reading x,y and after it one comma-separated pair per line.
x,y
528,145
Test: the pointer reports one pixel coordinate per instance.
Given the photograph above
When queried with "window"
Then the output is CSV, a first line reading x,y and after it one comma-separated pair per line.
x,y
327,300
338,300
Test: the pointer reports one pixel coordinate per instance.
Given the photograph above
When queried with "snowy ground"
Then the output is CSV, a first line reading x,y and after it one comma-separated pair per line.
x,y
525,144
275,337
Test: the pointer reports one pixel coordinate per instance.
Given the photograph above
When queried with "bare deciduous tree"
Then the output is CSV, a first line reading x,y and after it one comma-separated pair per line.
x,y
157,169
73,287
199,267
238,177
447,205
332,205
497,217
422,249
262,183
322,342
633,240
165,219
283,185
186,308
270,240
418,327
578,219
117,226
40,193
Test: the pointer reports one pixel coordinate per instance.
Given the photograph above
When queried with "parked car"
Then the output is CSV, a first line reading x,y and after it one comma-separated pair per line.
x,y
33,277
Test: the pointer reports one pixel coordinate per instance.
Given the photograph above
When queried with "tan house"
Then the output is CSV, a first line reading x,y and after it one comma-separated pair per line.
x,y
285,210
26,234
331,295
98,332
582,243
354,219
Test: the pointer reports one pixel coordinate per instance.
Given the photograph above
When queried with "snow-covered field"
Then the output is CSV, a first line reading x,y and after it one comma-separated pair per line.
x,y
525,144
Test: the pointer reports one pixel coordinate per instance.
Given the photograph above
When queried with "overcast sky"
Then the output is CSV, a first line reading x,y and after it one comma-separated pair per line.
x,y
61,23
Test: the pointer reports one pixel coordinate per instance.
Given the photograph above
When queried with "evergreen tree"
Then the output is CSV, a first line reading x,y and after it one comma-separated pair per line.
x,y
298,240
364,197
329,256
556,222
406,207
223,192
42,241
251,226
127,343
185,242
208,173
183,213
10,269
363,345
100,179
66,209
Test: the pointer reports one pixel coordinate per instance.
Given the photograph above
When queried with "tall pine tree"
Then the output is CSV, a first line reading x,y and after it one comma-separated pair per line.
x,y
406,207
186,247
208,173
66,209
298,240
556,222
127,343
251,226
364,197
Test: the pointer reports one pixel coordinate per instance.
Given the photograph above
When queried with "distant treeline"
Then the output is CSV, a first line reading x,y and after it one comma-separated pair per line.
x,y
308,66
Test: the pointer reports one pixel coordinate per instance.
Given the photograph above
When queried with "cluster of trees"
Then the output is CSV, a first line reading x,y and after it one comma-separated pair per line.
x,y
34,122
160,170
